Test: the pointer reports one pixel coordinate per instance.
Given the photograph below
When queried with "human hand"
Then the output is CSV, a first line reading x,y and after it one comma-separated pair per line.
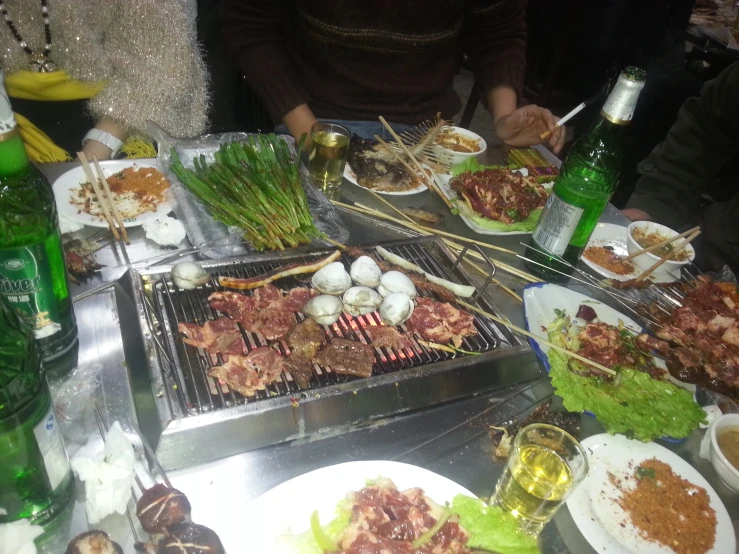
x,y
299,122
524,126
635,214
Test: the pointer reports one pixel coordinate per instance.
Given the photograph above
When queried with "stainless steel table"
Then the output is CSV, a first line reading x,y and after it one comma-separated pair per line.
x,y
451,440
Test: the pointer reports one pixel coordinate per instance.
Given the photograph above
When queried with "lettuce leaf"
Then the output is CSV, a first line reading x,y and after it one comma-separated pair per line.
x,y
306,543
473,166
638,406
491,528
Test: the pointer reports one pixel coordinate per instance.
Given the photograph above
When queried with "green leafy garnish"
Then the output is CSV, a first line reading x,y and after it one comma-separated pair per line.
x,y
428,535
318,537
634,405
491,528
645,473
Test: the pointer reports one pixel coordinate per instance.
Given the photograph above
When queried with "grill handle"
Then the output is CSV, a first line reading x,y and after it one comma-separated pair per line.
x,y
490,262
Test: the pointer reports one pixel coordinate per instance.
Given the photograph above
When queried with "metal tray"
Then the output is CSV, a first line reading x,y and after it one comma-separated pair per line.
x,y
199,419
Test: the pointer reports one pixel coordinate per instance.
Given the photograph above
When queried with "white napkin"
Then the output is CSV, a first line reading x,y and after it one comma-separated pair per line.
x,y
108,475
164,230
67,225
17,537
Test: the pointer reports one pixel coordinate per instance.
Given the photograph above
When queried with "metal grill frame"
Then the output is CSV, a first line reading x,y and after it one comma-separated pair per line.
x,y
286,412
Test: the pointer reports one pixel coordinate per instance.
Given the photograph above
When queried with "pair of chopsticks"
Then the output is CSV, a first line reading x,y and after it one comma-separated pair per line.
x,y
689,236
104,197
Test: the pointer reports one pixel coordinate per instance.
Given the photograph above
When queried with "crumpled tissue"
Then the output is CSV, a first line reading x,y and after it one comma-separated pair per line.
x,y
164,230
108,474
67,225
17,537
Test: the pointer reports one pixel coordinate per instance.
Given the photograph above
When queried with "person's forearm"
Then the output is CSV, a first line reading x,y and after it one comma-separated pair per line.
x,y
502,101
299,121
98,149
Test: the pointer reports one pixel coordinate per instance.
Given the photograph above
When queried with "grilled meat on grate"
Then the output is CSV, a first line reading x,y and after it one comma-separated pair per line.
x,y
347,356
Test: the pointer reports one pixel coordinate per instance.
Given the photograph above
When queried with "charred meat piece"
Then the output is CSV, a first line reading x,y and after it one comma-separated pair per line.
x,y
304,341
503,436
250,373
422,215
376,169
161,507
93,542
218,336
388,337
190,538
348,357
441,322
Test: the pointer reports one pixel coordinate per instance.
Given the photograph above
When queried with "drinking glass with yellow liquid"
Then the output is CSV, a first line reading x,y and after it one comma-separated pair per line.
x,y
329,146
544,467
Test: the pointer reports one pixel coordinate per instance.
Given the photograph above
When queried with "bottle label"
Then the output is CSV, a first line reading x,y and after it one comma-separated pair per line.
x,y
49,439
26,284
557,225
621,103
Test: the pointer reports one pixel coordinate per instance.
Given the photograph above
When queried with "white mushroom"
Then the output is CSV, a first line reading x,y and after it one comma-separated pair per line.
x,y
324,309
396,309
366,272
332,279
395,281
361,301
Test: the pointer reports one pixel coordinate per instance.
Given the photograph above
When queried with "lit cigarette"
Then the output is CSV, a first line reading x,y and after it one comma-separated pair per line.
x,y
564,120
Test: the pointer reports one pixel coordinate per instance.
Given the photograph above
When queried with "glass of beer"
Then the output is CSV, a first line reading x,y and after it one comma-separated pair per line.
x,y
544,467
329,146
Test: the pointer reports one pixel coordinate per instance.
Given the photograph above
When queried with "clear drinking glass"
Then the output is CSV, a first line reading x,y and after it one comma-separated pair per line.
x,y
329,146
544,467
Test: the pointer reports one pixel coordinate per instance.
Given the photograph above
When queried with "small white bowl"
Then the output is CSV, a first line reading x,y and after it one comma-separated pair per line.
x,y
728,474
459,157
669,269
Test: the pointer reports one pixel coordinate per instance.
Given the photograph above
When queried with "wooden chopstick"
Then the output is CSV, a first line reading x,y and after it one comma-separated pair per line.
x,y
428,178
667,256
113,204
537,339
99,193
661,244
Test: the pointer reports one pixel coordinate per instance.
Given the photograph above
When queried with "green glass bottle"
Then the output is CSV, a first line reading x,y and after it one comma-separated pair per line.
x,y
33,275
587,180
35,476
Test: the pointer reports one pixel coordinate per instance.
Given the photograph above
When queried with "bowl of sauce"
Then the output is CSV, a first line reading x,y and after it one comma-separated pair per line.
x,y
457,144
725,449
644,234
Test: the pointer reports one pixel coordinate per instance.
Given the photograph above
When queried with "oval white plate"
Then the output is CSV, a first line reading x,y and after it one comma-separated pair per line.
x,y
443,183
287,507
608,234
352,178
68,184
605,525
541,299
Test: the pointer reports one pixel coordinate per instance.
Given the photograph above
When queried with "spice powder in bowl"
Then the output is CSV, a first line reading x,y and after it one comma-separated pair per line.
x,y
670,510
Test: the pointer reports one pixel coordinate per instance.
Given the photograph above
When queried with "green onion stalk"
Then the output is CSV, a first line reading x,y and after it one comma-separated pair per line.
x,y
254,185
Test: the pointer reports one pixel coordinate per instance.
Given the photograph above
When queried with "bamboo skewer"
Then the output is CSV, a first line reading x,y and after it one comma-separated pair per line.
x,y
661,244
98,192
428,178
113,204
667,256
427,231
513,327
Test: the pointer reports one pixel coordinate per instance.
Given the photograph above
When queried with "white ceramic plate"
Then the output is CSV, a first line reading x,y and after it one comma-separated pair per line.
x,y
608,234
442,181
604,523
287,507
68,184
541,299
352,178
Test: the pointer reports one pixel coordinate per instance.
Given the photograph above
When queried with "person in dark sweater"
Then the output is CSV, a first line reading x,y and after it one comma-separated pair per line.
x,y
678,172
354,60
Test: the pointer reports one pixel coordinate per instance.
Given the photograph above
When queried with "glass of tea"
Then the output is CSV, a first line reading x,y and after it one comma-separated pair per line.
x,y
544,467
329,146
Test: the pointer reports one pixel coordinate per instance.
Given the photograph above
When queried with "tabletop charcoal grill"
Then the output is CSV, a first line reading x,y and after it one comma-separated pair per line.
x,y
193,408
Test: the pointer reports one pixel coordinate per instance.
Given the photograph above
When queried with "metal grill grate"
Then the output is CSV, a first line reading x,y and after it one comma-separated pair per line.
x,y
199,393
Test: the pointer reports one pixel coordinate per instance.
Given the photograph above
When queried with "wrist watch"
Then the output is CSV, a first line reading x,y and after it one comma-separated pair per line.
x,y
105,138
